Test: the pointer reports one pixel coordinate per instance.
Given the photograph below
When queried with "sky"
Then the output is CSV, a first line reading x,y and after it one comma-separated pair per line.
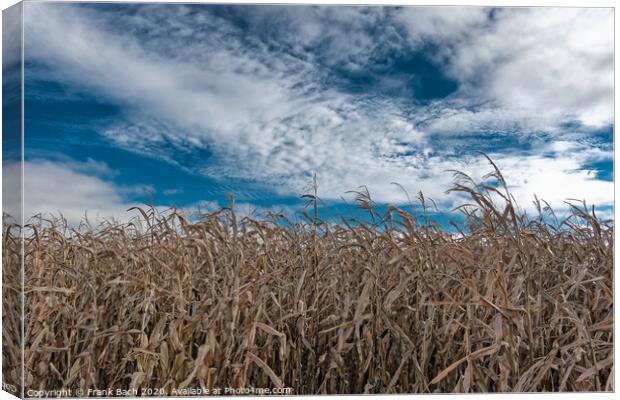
x,y
176,104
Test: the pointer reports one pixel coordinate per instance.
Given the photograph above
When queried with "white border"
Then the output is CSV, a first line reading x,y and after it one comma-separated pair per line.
x,y
545,3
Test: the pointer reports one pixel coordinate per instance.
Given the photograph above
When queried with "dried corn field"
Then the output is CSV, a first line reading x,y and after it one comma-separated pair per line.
x,y
392,304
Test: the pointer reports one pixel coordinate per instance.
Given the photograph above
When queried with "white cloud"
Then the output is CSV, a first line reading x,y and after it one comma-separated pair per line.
x,y
68,188
346,37
212,98
441,24
555,180
543,65
266,113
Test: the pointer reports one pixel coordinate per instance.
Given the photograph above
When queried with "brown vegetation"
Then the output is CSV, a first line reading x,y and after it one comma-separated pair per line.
x,y
393,305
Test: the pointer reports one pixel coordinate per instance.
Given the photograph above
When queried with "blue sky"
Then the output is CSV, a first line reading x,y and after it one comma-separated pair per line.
x,y
182,104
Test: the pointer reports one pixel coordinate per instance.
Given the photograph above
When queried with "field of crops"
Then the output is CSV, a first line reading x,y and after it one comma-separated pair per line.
x,y
390,304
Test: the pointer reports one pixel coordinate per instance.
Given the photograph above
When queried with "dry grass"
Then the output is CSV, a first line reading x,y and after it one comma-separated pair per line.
x,y
397,305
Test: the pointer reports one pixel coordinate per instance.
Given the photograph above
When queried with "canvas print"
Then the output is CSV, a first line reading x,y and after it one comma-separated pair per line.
x,y
204,199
